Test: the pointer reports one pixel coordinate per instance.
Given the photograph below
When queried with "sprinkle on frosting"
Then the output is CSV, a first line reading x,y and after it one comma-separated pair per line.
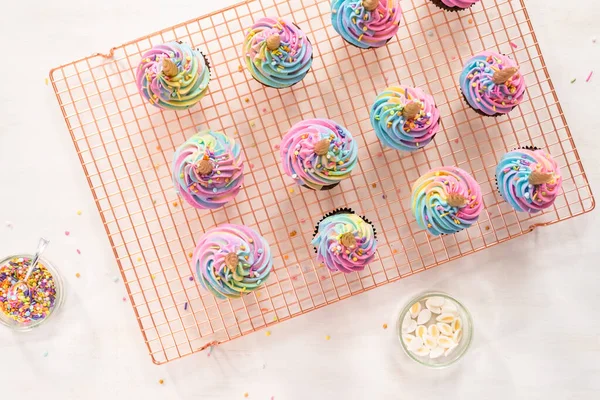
x,y
318,153
366,23
208,170
492,83
446,200
232,260
455,5
173,76
345,242
528,179
405,118
277,53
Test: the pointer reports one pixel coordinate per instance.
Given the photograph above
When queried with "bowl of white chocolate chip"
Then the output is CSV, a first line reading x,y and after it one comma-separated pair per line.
x,y
435,329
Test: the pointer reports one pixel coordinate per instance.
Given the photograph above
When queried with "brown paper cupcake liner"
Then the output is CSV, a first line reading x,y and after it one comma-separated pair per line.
x,y
440,4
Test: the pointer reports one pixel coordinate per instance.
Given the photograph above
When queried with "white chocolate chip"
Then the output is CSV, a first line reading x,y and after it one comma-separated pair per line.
x,y
430,342
415,344
457,336
445,329
435,353
446,318
407,338
450,350
433,330
445,342
457,324
415,309
422,351
421,331
410,326
424,317
436,302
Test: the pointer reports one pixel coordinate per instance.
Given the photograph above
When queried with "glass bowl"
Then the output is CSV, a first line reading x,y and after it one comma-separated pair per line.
x,y
59,296
429,349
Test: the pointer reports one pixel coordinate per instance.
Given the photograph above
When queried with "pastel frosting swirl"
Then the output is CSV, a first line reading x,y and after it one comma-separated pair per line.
x,y
459,4
446,200
528,179
208,170
232,260
405,118
277,53
173,76
492,83
366,23
318,153
345,242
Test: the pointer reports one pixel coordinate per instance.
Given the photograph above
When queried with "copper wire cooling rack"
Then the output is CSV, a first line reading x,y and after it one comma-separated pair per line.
x,y
125,147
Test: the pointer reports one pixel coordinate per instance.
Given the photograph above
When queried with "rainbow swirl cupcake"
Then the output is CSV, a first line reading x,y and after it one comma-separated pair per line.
x,y
344,241
454,5
491,84
366,23
232,260
405,118
446,200
173,76
528,179
318,153
277,53
208,170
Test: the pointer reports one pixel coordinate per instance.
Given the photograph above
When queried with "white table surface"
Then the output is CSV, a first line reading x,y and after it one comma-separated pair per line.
x,y
535,300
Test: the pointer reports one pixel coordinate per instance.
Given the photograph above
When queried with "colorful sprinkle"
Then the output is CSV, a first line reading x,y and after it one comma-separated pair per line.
x,y
185,306
42,292
268,333
293,233
46,81
67,233
327,337
245,394
175,204
573,80
384,326
161,381
45,354
513,45
78,251
115,279
124,298
78,275
79,212
191,278
589,78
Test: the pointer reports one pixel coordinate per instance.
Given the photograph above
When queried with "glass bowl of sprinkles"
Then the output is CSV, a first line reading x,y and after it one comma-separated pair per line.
x,y
45,297
435,329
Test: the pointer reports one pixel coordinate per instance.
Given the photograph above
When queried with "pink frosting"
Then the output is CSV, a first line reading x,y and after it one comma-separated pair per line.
x,y
459,3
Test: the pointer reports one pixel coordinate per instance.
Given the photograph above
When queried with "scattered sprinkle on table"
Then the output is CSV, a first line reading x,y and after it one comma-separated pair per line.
x,y
268,333
240,68
374,185
513,45
67,233
264,110
153,276
21,308
115,279
277,147
589,78
430,33
175,204
78,212
78,275
327,337
9,224
185,306
45,354
161,381
190,254
384,196
291,190
384,326
245,394
573,80
593,40
293,233
247,100
252,124
487,228
46,81
285,256
139,259
78,251
191,278
470,20
124,298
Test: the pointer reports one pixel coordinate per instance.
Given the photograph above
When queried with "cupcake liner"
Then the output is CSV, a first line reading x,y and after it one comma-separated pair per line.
x,y
479,111
343,210
323,188
440,4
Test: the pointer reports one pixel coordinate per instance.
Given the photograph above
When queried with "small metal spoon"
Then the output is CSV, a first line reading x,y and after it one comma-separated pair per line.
x,y
22,284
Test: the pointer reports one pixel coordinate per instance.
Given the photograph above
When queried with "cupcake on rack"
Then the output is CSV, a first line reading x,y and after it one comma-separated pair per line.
x,y
492,84
208,170
277,53
366,23
173,76
405,118
446,200
528,179
232,260
318,153
454,5
344,241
